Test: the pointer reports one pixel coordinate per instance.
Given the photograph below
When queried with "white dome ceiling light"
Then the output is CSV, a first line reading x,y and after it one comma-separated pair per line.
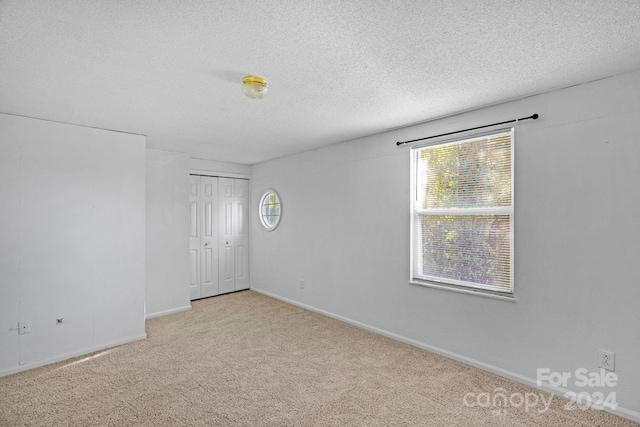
x,y
255,87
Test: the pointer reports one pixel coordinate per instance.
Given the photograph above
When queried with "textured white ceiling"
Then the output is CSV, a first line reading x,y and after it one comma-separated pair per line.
x,y
337,70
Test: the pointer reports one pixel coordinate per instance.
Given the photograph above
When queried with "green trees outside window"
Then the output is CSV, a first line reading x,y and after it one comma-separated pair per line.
x,y
463,213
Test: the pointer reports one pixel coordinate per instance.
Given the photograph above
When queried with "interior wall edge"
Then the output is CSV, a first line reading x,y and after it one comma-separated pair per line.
x,y
72,354
72,124
167,312
218,174
522,379
206,166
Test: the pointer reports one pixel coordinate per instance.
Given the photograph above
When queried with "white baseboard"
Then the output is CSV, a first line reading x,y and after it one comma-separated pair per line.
x,y
165,312
65,356
619,411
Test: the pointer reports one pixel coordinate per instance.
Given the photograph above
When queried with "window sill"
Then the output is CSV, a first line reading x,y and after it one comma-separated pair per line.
x,y
452,288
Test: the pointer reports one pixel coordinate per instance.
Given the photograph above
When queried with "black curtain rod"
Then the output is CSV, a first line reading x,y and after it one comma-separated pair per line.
x,y
534,117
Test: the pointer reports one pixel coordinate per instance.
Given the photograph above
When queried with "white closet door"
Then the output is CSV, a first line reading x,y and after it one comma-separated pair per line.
x,y
219,241
226,239
203,241
241,223
209,240
194,236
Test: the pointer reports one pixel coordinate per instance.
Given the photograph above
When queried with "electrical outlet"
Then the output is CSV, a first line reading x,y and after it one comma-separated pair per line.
x,y
301,284
607,360
24,327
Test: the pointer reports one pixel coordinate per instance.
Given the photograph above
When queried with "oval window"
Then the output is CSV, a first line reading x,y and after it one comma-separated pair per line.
x,y
270,210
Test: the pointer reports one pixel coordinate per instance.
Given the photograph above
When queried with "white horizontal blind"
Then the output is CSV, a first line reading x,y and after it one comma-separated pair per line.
x,y
463,213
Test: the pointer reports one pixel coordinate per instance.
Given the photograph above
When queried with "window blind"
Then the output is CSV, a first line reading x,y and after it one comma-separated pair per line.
x,y
463,213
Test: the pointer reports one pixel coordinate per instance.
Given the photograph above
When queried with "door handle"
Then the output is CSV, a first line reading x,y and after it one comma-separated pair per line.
x,y
206,244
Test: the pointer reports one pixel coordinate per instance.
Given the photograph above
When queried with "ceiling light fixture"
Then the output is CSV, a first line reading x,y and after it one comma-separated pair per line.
x,y
255,87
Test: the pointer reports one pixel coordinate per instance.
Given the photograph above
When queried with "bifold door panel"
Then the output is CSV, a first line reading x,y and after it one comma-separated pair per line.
x,y
218,235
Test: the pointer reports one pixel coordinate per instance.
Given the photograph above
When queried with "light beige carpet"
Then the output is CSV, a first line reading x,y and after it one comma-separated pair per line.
x,y
245,359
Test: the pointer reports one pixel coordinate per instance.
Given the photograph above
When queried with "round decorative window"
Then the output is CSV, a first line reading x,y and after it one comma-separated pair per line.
x,y
270,210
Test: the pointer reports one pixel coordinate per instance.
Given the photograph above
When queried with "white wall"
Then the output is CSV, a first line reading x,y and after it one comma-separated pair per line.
x,y
167,231
73,240
345,231
9,248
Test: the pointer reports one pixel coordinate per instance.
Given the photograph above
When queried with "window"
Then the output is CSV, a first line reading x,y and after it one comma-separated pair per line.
x,y
462,208
270,210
